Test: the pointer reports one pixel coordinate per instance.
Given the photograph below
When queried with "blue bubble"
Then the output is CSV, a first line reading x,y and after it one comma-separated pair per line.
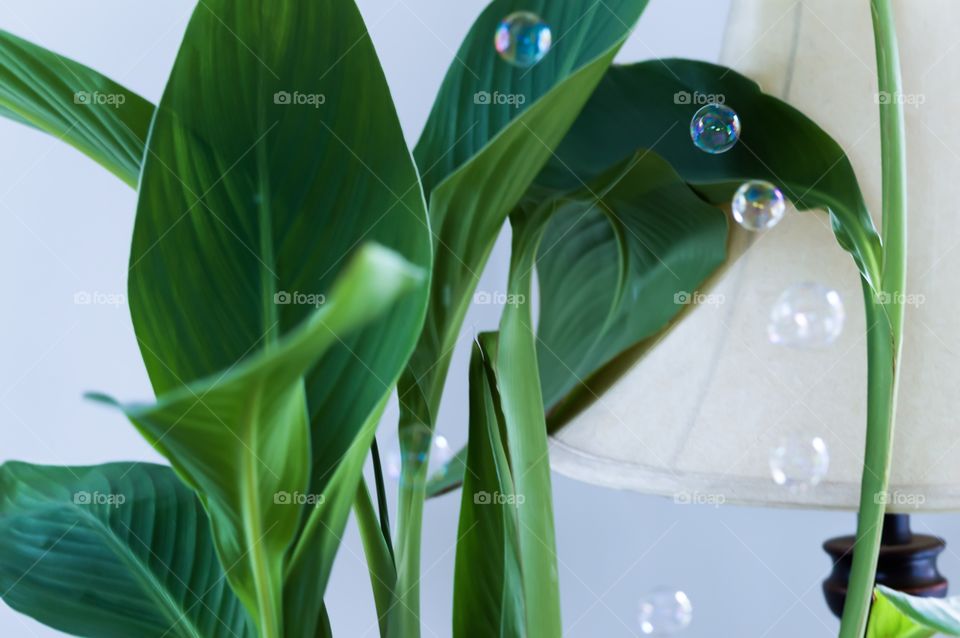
x,y
522,39
715,128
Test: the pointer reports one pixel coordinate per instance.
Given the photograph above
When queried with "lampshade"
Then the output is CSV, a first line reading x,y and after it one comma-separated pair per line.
x,y
698,416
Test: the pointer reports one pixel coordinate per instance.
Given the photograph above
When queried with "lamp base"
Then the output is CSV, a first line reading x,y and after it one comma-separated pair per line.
x,y
908,563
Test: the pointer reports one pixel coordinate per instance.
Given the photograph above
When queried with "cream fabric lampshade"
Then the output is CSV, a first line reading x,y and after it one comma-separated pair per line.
x,y
698,416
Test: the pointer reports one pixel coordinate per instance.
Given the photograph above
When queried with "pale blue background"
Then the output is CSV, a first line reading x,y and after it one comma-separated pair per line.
x,y
65,226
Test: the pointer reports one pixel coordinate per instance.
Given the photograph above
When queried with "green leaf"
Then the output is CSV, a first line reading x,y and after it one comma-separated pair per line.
x,y
614,259
488,602
276,150
112,551
614,256
643,106
477,156
898,615
310,561
379,554
241,438
74,103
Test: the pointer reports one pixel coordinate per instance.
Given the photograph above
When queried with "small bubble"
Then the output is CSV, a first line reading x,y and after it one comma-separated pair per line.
x,y
715,128
758,205
664,612
806,315
522,39
799,462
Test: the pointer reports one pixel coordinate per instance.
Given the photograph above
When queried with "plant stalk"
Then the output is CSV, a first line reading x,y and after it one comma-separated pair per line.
x,y
885,325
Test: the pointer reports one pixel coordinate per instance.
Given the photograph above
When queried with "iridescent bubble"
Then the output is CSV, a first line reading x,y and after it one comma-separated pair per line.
x,y
807,315
664,612
522,39
799,462
758,205
419,445
715,128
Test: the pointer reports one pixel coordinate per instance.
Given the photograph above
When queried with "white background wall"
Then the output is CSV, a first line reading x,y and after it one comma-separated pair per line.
x,y
65,226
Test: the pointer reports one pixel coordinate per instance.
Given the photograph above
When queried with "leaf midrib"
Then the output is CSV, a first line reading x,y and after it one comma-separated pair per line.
x,y
168,606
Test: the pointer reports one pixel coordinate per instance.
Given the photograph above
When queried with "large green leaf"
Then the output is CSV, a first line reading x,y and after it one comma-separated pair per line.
x,y
488,603
74,103
614,259
478,156
898,615
241,437
276,150
112,551
650,105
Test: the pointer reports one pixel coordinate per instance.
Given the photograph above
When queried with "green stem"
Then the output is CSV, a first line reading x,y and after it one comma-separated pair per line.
x,y
885,325
521,399
413,480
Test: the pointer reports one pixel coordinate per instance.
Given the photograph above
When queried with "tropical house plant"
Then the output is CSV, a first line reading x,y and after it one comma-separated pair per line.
x,y
274,168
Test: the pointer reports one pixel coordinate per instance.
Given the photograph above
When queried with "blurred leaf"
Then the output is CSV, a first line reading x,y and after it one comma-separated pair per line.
x,y
112,551
240,438
898,615
74,103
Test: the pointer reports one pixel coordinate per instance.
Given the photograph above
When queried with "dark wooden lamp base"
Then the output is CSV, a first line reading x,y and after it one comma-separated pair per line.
x,y
908,563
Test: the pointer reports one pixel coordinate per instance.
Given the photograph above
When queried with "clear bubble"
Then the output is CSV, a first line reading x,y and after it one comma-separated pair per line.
x,y
715,128
664,612
418,441
807,315
758,205
799,462
522,39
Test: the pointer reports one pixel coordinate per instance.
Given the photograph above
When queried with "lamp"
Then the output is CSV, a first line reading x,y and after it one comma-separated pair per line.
x,y
699,414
